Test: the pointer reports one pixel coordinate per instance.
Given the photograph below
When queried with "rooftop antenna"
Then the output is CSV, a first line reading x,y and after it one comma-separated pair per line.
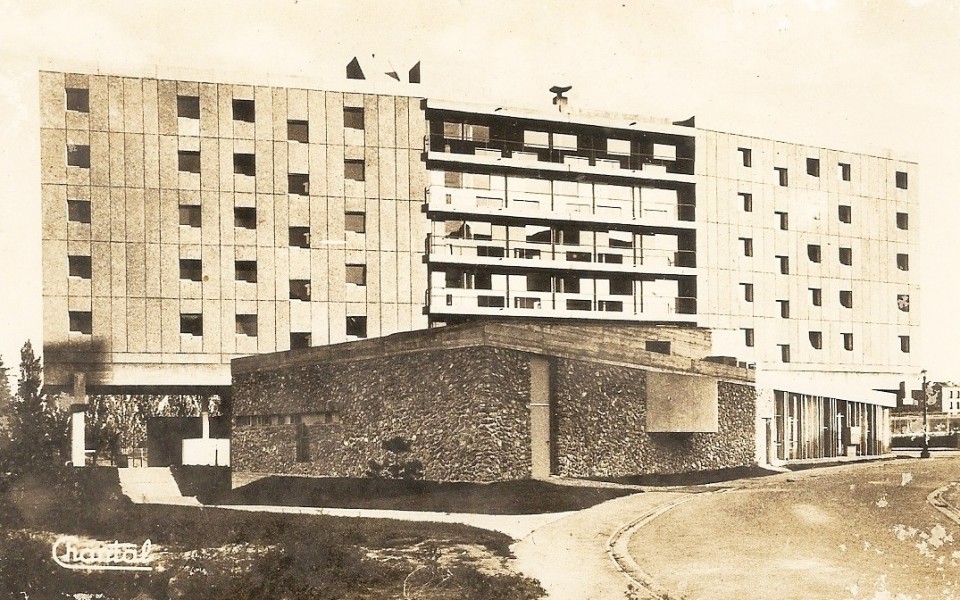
x,y
560,101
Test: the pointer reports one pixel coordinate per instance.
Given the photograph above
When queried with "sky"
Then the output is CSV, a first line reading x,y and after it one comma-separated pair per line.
x,y
857,75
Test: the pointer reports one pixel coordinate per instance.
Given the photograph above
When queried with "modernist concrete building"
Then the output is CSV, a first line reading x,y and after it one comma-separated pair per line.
x,y
190,223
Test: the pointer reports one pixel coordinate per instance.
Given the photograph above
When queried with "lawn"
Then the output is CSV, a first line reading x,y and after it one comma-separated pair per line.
x,y
504,498
222,554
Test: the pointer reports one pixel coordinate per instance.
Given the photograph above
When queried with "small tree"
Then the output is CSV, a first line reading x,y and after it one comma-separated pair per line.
x,y
39,427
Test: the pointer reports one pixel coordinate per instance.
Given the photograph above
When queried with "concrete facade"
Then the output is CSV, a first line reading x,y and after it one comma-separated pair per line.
x,y
465,397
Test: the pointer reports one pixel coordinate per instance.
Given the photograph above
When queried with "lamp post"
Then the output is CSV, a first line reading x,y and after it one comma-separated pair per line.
x,y
925,449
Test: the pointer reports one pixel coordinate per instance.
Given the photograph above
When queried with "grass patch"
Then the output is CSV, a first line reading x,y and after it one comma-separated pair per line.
x,y
500,498
692,478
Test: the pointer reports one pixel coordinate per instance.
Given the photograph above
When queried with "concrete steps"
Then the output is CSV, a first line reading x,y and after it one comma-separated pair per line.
x,y
153,485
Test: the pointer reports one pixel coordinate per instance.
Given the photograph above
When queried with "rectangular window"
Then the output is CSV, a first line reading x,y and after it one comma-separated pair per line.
x,y
353,169
583,305
846,298
245,164
747,291
355,222
816,339
191,324
357,326
902,180
356,274
80,266
784,352
781,176
188,107
813,167
78,211
845,213
300,339
782,219
244,110
245,270
81,321
621,286
784,308
188,161
568,141
247,325
846,256
491,301
657,346
848,341
299,237
78,156
813,252
538,282
245,217
190,215
746,156
78,100
903,262
747,201
816,296
476,133
352,117
191,269
621,147
453,179
298,131
298,184
905,344
903,220
784,264
536,139
747,246
748,337
843,170
568,284
300,289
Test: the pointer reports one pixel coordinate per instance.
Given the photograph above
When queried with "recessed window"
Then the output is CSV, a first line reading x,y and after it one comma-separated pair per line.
x,y
78,155
300,339
188,107
747,246
300,289
621,286
298,131
903,262
78,211
903,302
353,169
80,266
813,252
245,164
847,341
81,321
784,352
191,269
747,201
298,184
784,308
188,161
902,180
357,327
747,291
846,256
783,220
660,347
244,110
843,170
190,215
352,117
816,296
813,167
784,264
453,179
844,213
245,217
300,237
191,324
748,337
355,222
905,344
846,298
746,156
903,220
816,339
246,270
782,179
356,274
247,325
78,100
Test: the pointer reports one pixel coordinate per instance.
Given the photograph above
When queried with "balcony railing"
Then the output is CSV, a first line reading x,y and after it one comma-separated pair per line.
x,y
560,304
592,157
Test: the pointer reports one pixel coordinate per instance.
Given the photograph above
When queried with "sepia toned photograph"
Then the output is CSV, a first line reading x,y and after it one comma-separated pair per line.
x,y
479,300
